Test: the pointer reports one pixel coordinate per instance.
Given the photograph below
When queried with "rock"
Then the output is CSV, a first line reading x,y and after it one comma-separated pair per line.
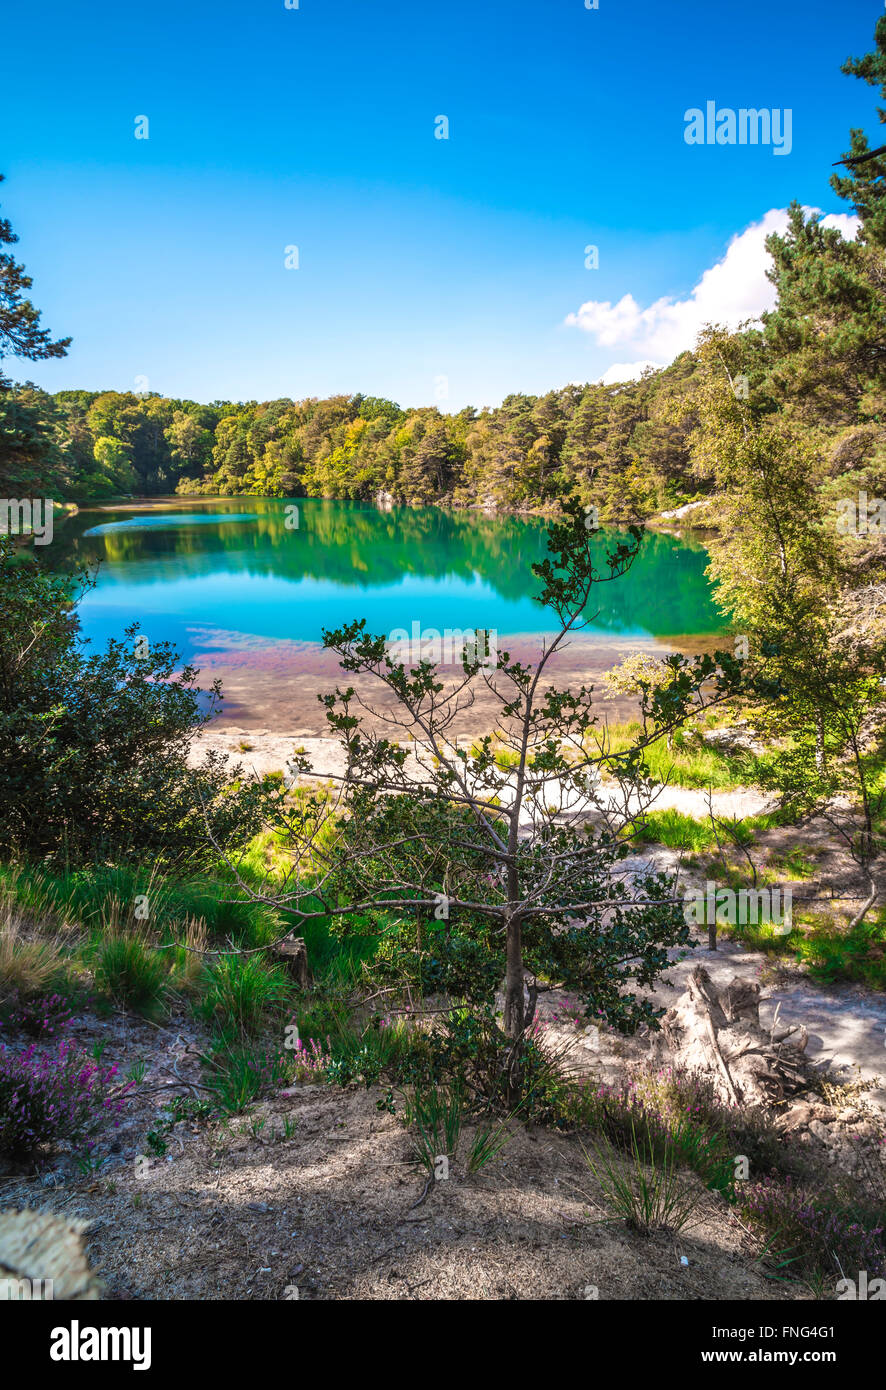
x,y
819,1131
677,513
736,739
797,1117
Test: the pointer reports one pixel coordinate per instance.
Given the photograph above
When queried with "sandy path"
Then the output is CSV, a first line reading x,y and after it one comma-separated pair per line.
x,y
262,752
846,1023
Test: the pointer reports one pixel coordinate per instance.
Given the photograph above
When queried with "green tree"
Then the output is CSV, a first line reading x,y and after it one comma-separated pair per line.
x,y
809,607
514,838
94,748
20,331
864,186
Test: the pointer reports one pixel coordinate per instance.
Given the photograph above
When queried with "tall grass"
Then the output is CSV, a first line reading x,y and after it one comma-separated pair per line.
x,y
87,896
241,995
131,972
29,966
690,762
828,950
679,831
647,1191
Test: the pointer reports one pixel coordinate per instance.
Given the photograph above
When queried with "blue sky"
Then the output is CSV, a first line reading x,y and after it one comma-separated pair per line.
x,y
430,271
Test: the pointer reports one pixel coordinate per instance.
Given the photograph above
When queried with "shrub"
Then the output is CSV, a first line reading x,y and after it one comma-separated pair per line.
x,y
39,1018
131,972
241,993
810,1235
672,1109
94,745
52,1096
648,1192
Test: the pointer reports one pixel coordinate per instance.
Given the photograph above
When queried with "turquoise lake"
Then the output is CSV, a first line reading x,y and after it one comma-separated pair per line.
x,y
195,569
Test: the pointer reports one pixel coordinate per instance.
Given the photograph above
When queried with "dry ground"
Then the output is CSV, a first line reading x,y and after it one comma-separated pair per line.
x,y
330,1212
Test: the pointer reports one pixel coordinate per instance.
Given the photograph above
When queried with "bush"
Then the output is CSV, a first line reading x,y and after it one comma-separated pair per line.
x,y
131,972
241,993
810,1235
39,1018
94,748
54,1096
675,1110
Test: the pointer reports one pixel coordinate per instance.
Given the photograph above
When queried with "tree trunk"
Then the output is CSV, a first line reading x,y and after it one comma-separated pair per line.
x,y
865,907
514,1019
820,761
514,1016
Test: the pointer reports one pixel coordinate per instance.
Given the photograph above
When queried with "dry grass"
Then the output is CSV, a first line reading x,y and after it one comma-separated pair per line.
x,y
29,964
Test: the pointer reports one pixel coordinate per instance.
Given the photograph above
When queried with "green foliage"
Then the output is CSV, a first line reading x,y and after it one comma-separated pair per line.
x,y
237,1073
94,747
435,1114
677,1117
131,972
239,995
688,762
20,331
862,184
648,1192
830,951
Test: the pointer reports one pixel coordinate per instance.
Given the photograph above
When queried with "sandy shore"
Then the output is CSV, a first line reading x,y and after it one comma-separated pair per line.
x,y
274,686
262,751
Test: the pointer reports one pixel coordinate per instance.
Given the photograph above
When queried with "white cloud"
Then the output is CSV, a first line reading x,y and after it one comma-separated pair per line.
x,y
627,371
733,289
845,222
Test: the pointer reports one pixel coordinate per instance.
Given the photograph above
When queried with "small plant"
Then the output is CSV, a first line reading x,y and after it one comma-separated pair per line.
x,y
136,1073
88,1164
435,1113
236,1074
311,1063
240,993
485,1146
131,972
810,1235
55,1096
649,1193
156,1143
43,1017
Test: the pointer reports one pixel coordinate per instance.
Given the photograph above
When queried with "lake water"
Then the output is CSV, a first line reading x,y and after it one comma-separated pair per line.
x,y
226,573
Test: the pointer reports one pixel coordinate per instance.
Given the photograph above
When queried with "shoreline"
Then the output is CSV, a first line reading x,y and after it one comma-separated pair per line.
x,y
669,523
272,685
